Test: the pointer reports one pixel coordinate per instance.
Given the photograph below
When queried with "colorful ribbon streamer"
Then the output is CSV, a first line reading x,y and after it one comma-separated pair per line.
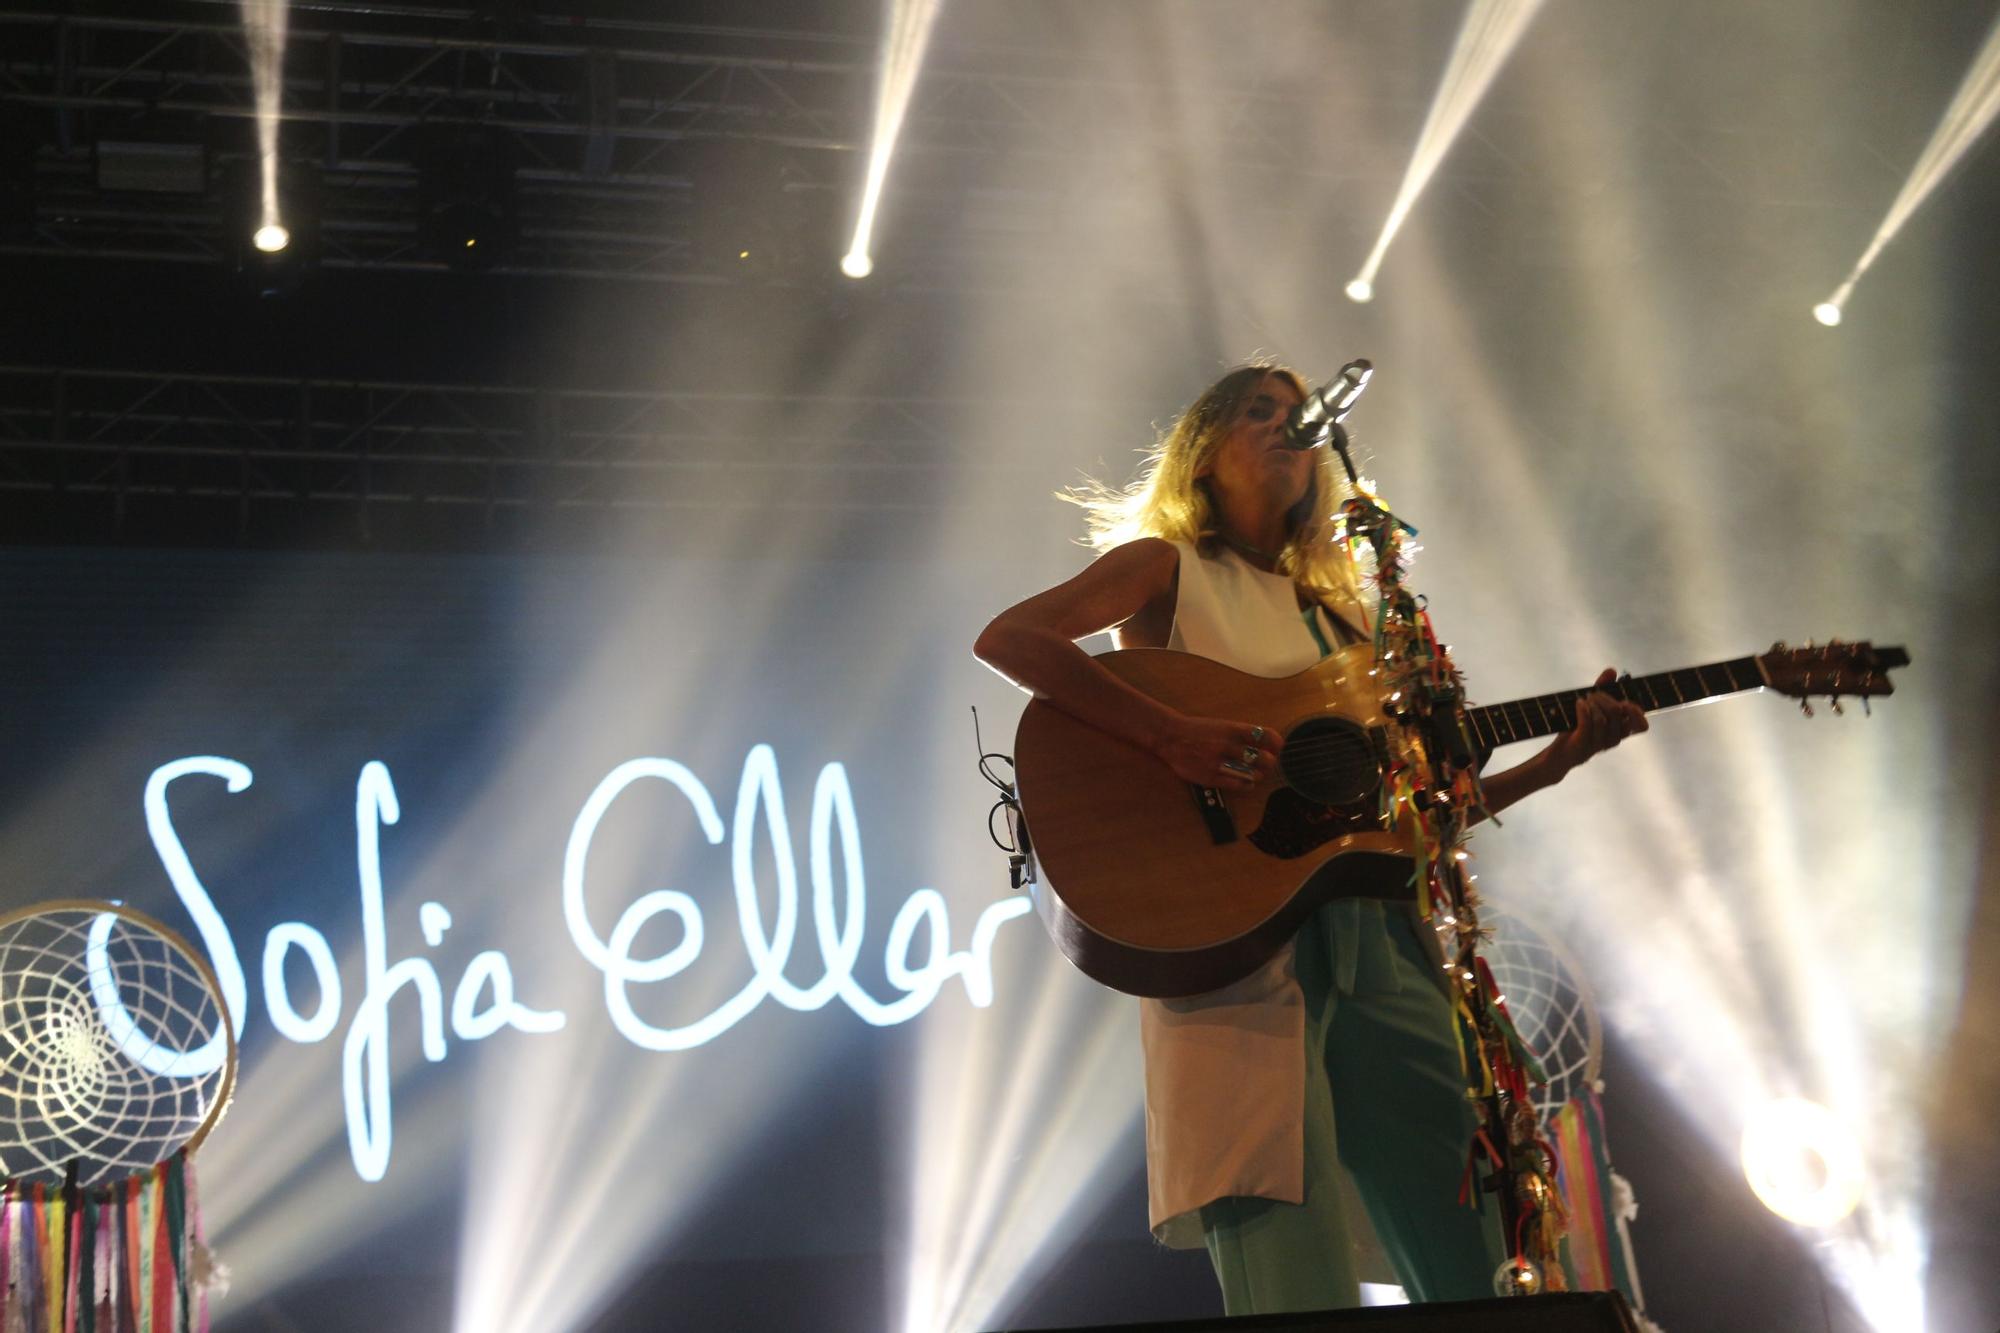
x,y
115,1258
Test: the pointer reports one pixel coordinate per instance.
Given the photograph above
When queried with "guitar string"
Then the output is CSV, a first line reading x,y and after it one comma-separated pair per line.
x,y
1515,714
1332,751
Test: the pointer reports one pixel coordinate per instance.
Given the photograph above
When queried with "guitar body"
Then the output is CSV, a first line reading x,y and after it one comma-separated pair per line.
x,y
1155,887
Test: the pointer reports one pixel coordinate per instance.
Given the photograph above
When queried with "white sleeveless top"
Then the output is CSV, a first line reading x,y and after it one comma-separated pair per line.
x,y
1225,1071
1232,612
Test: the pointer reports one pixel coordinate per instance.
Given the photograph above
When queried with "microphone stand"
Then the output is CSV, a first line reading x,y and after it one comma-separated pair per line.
x,y
1428,697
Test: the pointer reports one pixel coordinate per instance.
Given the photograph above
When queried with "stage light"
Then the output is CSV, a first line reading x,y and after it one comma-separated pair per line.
x,y
1802,1163
1972,109
902,55
1485,39
740,213
264,23
465,195
856,265
274,249
1827,313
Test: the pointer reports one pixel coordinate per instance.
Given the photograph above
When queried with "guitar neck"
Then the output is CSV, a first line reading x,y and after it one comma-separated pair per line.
x,y
1546,714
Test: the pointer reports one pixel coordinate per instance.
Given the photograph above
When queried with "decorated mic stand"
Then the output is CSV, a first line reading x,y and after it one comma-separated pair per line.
x,y
1435,795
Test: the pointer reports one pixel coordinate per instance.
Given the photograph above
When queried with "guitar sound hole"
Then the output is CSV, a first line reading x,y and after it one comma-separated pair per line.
x,y
1330,760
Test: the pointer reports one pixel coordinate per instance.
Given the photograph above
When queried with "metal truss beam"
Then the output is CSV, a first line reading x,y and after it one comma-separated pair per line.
x,y
609,117
618,125
293,444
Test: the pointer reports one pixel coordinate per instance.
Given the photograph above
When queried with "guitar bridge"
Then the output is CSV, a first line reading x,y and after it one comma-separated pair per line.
x,y
1294,824
1221,824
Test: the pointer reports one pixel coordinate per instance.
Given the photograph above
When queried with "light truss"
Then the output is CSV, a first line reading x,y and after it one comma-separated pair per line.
x,y
608,113
603,113
305,443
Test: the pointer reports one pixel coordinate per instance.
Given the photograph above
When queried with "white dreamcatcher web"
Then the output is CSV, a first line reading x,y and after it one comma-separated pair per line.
x,y
115,1046
1556,1015
1552,1006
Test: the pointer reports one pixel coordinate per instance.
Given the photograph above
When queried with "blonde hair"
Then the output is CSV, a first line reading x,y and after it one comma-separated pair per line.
x,y
1170,500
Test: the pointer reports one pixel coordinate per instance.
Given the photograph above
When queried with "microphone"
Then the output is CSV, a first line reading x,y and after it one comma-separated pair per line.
x,y
1311,422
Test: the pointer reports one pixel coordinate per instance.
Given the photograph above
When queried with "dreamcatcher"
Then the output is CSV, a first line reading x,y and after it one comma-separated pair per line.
x,y
1556,1016
116,1060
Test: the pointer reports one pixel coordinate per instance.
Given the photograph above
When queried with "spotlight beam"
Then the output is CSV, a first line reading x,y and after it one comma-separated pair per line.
x,y
264,25
910,23
1972,109
1484,42
1011,1145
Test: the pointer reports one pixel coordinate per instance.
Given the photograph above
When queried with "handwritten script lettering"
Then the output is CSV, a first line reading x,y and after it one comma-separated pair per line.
x,y
485,998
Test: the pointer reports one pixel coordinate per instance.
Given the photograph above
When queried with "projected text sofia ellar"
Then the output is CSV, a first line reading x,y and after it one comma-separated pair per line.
x,y
484,1000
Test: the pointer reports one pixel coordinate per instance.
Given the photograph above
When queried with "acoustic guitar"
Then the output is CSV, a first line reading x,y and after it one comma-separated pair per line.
x,y
1154,886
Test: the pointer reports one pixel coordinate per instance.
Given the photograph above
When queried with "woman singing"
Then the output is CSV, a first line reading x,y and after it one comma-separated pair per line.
x,y
1341,1051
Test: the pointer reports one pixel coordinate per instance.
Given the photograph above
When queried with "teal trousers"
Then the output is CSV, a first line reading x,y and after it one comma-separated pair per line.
x,y
1385,1096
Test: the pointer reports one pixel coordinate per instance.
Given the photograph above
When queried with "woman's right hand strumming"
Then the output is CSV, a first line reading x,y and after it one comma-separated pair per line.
x,y
1033,644
1213,752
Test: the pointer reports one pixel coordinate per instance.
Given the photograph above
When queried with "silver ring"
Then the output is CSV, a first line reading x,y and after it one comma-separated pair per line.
x,y
1249,756
1239,769
1256,735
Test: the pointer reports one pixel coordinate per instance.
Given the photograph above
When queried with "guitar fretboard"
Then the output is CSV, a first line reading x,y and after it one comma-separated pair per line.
x,y
1546,714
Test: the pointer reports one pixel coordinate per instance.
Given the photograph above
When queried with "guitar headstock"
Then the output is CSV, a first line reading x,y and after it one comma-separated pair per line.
x,y
1831,671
